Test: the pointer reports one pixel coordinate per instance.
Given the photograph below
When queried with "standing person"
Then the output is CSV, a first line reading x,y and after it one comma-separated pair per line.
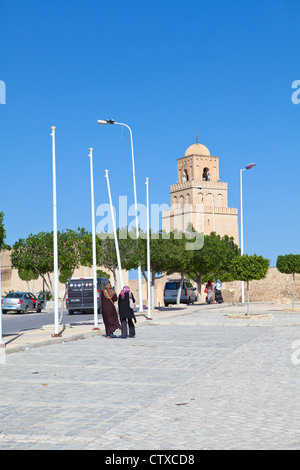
x,y
218,293
126,312
109,313
208,290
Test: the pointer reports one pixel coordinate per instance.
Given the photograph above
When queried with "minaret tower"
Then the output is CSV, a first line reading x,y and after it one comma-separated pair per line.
x,y
200,191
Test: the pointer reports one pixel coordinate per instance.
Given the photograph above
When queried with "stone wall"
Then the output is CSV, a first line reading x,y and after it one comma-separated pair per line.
x,y
276,287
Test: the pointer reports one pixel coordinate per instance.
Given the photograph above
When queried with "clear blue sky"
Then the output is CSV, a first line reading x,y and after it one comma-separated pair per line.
x,y
168,69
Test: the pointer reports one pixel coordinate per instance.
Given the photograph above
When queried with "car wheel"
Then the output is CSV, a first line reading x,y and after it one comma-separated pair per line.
x,y
4,312
166,304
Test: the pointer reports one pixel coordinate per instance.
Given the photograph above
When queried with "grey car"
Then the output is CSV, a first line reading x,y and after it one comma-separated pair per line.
x,y
188,294
21,302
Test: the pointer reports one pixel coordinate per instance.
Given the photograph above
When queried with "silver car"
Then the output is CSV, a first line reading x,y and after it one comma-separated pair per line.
x,y
21,302
188,294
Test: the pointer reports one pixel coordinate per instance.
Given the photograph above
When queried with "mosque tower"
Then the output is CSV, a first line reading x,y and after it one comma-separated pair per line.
x,y
200,197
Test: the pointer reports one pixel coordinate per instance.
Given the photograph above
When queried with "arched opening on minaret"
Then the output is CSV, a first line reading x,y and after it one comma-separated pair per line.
x,y
205,174
185,176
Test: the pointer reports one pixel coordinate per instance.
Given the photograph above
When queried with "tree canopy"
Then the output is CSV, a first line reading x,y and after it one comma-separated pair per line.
x,y
213,260
3,246
289,264
248,268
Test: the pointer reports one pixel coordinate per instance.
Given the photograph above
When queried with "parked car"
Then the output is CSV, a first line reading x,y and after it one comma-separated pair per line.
x,y
22,302
80,295
188,292
41,302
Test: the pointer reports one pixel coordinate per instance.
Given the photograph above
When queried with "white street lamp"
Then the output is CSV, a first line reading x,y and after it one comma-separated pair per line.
x,y
111,121
148,252
94,244
55,255
247,167
115,231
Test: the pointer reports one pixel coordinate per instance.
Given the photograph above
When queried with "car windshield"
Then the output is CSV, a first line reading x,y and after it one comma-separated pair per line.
x,y
14,295
172,285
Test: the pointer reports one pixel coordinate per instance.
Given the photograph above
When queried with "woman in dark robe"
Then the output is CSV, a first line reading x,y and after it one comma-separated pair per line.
x,y
109,313
126,312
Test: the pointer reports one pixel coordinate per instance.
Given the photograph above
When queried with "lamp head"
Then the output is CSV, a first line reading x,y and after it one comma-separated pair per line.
x,y
106,121
251,165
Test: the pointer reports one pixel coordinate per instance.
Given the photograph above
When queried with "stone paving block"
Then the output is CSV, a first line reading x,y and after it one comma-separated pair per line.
x,y
198,381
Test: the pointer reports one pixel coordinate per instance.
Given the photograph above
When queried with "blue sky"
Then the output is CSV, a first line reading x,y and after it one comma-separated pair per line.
x,y
168,69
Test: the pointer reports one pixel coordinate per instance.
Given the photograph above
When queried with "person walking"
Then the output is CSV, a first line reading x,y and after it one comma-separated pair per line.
x,y
218,293
125,303
109,313
208,290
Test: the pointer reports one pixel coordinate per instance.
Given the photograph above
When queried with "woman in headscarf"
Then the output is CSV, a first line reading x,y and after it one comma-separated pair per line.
x,y
109,313
126,312
208,290
218,293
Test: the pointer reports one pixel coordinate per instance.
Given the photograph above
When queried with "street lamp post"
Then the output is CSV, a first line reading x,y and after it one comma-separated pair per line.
x,y
55,255
115,231
111,121
94,244
247,167
148,251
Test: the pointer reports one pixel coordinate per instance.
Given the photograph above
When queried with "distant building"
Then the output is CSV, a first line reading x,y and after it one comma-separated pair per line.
x,y
200,197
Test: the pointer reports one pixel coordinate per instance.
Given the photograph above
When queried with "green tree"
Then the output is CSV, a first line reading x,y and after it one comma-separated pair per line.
x,y
101,273
248,268
213,260
27,274
106,254
36,253
180,254
130,248
2,231
74,250
289,264
161,252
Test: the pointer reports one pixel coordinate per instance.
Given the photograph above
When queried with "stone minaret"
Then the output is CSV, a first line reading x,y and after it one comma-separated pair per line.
x,y
200,197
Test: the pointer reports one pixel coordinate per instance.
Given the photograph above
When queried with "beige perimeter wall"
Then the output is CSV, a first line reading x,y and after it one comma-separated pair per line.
x,y
276,287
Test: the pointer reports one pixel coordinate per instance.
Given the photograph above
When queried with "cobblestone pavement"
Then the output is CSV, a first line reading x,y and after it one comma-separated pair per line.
x,y
192,381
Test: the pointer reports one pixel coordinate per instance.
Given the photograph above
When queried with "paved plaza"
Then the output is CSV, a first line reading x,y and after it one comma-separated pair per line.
x,y
193,378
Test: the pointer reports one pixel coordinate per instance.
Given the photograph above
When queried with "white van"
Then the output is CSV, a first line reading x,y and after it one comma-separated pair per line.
x,y
188,292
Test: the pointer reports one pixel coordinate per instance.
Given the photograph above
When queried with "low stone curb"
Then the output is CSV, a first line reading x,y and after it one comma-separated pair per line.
x,y
52,340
